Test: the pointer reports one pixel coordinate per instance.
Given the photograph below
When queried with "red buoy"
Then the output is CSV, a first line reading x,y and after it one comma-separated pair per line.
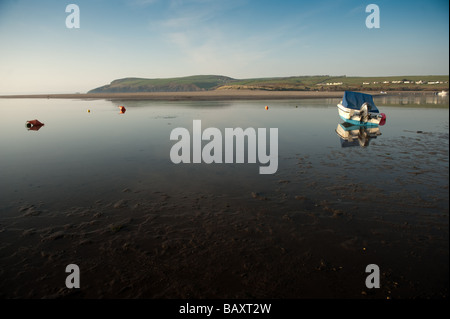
x,y
34,125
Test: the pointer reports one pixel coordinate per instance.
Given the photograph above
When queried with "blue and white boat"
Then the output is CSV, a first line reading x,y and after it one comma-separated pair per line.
x,y
359,109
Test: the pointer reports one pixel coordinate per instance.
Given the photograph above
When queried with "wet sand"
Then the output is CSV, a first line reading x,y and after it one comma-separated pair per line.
x,y
194,96
158,245
213,95
292,242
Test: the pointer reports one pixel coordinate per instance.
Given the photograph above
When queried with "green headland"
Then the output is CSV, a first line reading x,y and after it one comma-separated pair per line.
x,y
293,83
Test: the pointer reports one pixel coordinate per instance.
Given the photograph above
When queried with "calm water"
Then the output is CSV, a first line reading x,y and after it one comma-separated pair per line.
x,y
99,189
80,156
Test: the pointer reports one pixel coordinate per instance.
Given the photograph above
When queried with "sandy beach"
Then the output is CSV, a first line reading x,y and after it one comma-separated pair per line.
x,y
195,96
156,244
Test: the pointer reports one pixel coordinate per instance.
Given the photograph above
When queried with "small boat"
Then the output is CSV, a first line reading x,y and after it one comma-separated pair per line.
x,y
354,135
359,109
34,125
443,93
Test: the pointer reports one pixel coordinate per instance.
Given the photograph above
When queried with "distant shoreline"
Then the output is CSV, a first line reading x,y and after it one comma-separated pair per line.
x,y
200,95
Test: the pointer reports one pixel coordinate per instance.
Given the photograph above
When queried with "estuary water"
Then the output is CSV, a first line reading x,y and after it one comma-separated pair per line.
x,y
87,149
89,159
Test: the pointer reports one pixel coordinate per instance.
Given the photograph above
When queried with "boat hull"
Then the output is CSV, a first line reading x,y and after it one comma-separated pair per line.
x,y
353,117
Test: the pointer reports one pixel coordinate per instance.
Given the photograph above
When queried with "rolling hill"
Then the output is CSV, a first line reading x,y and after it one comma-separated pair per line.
x,y
182,84
294,83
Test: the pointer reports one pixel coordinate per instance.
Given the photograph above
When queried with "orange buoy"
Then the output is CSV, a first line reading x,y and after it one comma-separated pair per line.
x,y
267,107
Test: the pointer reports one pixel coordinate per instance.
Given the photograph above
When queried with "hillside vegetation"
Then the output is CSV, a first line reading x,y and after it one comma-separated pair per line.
x,y
183,84
294,83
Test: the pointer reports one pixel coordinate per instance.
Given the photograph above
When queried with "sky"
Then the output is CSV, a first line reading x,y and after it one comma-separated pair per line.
x,y
236,38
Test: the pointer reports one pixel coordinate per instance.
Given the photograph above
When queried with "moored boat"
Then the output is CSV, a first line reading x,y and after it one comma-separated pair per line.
x,y
34,125
359,109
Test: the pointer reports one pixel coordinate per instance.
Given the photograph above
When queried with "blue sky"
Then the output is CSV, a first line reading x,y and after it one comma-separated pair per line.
x,y
236,38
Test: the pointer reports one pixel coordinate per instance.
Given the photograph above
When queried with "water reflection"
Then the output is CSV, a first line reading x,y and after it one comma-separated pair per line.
x,y
356,135
411,99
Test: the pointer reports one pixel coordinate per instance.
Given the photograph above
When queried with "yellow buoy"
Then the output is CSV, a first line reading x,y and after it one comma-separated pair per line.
x,y
89,111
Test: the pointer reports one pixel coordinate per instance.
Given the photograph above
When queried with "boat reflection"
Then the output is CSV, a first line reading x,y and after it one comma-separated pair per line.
x,y
356,135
